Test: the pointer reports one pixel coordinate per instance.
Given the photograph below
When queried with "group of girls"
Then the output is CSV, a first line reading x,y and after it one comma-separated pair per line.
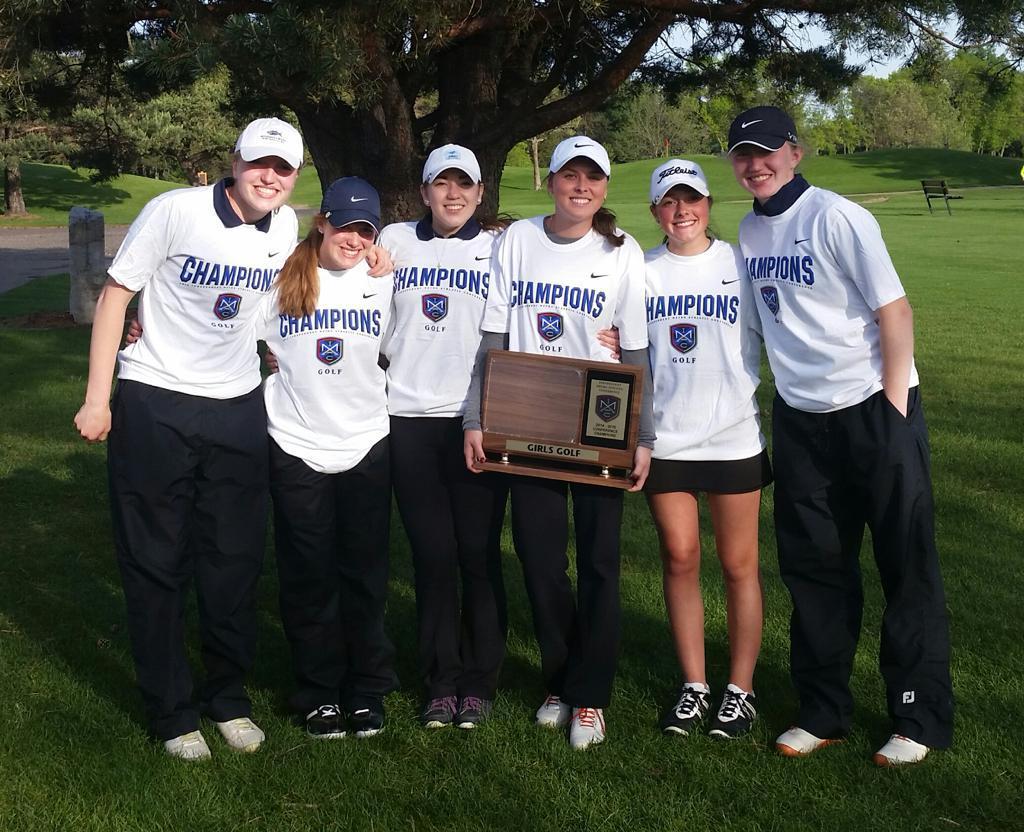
x,y
346,428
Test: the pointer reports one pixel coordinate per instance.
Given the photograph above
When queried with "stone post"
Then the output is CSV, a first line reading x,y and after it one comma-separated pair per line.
x,y
88,262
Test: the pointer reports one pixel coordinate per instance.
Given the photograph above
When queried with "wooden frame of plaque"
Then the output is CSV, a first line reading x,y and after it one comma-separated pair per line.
x,y
560,418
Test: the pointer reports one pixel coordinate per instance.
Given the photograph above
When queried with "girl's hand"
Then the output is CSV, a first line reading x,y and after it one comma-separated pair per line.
x,y
271,361
134,332
93,421
379,261
641,467
610,338
473,449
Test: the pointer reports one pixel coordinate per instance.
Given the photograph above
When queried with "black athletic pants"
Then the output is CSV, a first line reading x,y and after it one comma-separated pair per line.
x,y
188,494
453,519
834,472
331,540
578,635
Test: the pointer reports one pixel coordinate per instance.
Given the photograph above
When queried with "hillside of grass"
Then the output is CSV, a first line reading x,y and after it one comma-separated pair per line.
x,y
51,190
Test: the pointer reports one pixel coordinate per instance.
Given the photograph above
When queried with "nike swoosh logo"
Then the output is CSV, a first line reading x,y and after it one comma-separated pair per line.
x,y
583,145
804,240
747,124
595,276
273,254
370,296
727,282
485,257
361,199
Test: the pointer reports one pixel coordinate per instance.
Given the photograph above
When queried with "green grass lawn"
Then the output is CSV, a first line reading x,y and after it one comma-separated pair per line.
x,y
74,754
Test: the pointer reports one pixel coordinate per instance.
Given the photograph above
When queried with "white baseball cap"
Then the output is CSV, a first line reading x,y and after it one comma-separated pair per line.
x,y
451,156
576,146
677,172
270,137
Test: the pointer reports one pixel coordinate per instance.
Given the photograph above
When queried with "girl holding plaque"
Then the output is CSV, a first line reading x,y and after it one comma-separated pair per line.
x,y
705,343
556,281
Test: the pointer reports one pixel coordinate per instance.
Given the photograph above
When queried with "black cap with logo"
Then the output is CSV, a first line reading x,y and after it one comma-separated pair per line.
x,y
766,127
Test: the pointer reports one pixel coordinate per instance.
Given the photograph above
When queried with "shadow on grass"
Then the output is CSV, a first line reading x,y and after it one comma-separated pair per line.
x,y
58,188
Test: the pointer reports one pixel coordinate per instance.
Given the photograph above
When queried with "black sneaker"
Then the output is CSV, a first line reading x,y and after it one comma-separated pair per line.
x,y
367,721
688,712
325,723
735,715
439,712
472,711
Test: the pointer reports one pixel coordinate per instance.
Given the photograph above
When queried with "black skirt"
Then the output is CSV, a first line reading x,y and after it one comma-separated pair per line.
x,y
728,476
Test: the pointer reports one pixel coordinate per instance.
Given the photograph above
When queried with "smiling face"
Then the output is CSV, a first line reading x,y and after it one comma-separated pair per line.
x,y
683,216
342,248
260,186
579,189
452,198
763,172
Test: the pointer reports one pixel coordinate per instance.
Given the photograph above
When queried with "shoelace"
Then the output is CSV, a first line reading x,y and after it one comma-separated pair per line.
x,y
327,711
472,703
732,705
552,701
689,703
587,717
443,703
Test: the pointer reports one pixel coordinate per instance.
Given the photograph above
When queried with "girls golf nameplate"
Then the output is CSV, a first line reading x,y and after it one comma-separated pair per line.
x,y
560,418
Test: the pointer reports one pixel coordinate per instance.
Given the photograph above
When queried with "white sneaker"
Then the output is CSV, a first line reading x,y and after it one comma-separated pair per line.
x,y
587,727
241,734
900,751
554,713
190,746
796,742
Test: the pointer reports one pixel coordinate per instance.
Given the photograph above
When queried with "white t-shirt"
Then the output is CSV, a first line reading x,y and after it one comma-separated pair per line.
x,y
202,273
441,287
819,271
328,404
553,298
705,349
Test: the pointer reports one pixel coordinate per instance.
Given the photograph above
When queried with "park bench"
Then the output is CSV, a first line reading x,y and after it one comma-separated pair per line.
x,y
937,189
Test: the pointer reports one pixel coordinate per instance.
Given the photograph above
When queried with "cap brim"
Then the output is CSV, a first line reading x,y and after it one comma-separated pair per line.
x,y
252,153
771,143
688,182
472,174
605,169
347,216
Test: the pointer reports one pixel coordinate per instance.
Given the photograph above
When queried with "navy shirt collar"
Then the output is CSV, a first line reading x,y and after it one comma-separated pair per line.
x,y
782,200
425,231
226,214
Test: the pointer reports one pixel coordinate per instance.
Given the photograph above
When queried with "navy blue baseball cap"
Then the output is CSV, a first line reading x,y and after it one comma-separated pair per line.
x,y
766,127
351,199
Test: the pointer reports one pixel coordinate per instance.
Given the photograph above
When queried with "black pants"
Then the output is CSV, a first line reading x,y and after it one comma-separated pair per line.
x,y
331,538
453,519
834,472
578,635
188,494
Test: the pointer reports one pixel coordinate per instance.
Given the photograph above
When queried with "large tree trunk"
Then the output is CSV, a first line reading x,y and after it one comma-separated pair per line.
x,y
14,201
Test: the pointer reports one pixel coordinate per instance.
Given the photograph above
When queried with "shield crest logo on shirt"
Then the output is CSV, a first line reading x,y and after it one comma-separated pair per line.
x,y
549,325
770,296
329,350
606,407
435,307
683,337
227,305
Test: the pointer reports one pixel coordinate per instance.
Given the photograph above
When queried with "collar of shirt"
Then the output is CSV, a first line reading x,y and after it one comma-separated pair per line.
x,y
425,231
783,199
226,214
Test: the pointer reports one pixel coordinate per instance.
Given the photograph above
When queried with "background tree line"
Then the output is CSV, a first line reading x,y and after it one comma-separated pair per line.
x,y
161,87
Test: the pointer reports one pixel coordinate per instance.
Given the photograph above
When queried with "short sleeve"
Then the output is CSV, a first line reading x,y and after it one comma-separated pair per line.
x,y
147,244
855,241
630,310
497,310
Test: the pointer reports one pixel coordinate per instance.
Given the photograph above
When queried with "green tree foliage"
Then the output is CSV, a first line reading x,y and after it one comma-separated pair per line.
x,y
356,73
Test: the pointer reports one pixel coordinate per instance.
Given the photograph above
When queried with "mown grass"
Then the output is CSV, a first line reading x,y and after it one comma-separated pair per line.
x,y
74,755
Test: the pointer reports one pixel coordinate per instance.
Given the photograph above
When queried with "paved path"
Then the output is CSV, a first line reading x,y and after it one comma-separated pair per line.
x,y
26,253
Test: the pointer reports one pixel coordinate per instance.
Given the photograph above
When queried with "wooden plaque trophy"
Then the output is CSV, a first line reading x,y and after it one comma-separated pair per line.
x,y
560,418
